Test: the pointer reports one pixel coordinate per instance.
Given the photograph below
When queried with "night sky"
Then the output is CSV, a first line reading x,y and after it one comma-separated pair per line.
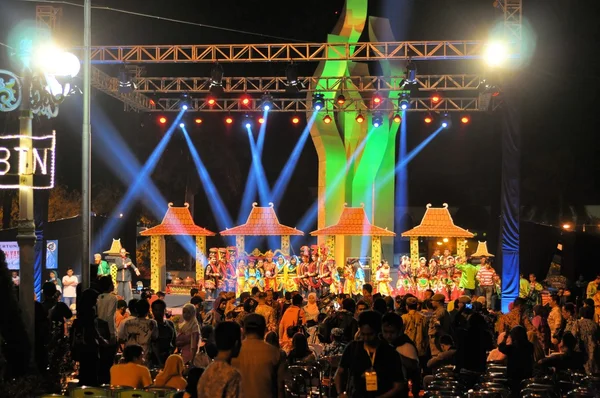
x,y
556,95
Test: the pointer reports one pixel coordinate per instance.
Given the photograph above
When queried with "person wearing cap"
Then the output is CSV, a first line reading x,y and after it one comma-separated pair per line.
x,y
259,362
439,324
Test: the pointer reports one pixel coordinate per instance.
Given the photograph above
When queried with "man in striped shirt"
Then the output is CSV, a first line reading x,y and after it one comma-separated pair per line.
x,y
485,276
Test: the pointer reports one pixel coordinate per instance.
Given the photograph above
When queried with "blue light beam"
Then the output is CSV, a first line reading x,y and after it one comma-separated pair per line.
x,y
263,187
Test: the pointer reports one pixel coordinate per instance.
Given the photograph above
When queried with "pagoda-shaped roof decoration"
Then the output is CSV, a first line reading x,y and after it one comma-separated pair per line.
x,y
262,221
482,250
177,221
437,223
353,222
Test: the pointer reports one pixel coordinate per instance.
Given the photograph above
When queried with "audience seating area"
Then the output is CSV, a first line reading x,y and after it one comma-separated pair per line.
x,y
121,392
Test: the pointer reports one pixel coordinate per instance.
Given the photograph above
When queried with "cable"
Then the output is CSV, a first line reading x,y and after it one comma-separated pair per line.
x,y
139,14
6,45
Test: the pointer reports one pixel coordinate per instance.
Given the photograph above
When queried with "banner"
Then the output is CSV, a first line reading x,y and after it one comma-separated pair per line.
x,y
14,158
11,251
52,254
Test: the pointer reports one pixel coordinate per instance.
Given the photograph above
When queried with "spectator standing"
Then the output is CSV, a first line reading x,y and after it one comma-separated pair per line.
x,y
107,309
342,319
519,356
267,312
165,343
220,379
189,334
293,317
416,328
485,276
141,330
311,309
592,287
70,283
554,318
587,333
516,316
439,324
259,362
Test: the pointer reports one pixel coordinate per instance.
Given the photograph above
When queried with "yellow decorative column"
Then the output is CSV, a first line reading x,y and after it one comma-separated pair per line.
x,y
200,256
375,255
330,244
158,263
461,247
240,245
285,245
414,252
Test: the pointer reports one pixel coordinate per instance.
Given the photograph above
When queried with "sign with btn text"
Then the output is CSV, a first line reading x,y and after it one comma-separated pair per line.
x,y
13,160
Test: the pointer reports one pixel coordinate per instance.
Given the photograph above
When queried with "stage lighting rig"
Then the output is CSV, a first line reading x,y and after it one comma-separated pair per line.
x,y
248,121
295,119
404,100
246,100
377,100
428,119
436,98
318,101
397,118
446,121
360,118
487,90
327,119
267,102
293,85
228,120
216,79
126,84
465,119
377,119
185,102
341,99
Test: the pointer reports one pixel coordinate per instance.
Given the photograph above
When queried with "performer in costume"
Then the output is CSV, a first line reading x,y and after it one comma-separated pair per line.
x,y
534,293
384,279
253,276
324,275
280,263
314,283
422,279
230,273
405,283
240,272
260,265
212,274
124,267
359,279
455,290
349,272
441,280
270,275
290,275
433,267
336,282
103,267
303,270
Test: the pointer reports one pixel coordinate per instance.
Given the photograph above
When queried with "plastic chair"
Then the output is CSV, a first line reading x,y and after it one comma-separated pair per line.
x,y
90,392
136,394
298,383
161,392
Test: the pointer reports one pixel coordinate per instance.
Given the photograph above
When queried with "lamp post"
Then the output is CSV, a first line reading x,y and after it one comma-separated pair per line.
x,y
37,91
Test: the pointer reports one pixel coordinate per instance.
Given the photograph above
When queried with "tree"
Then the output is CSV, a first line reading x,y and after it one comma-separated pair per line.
x,y
63,203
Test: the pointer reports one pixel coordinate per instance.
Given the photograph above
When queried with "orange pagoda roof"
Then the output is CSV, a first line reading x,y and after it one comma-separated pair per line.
x,y
437,223
262,221
177,221
353,221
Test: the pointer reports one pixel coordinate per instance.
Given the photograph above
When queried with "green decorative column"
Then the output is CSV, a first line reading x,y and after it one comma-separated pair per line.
x,y
200,258
158,263
285,245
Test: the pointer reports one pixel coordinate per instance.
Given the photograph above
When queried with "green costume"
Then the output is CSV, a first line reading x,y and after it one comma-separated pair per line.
x,y
103,269
467,278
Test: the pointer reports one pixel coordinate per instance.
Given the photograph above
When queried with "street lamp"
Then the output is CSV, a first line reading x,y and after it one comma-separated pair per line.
x,y
43,84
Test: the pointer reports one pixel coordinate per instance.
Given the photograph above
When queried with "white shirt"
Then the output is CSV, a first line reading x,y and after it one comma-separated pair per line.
x,y
70,291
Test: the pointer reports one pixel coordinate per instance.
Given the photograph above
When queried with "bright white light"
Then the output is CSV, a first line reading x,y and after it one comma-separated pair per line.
x,y
248,125
53,61
404,106
121,215
69,65
376,124
267,107
496,53
444,124
318,107
182,125
184,107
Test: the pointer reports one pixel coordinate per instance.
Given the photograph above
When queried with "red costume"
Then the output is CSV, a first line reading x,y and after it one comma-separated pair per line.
x,y
270,272
313,269
230,273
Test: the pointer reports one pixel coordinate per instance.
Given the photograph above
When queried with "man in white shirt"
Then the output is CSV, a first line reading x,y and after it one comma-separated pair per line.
x,y
70,283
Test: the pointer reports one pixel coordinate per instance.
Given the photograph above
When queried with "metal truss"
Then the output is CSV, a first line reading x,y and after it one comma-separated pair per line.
x,y
297,52
110,85
302,105
261,85
46,17
513,19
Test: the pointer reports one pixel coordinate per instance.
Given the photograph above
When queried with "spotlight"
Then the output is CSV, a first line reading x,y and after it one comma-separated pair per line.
x,y
261,120
341,100
247,121
267,102
295,120
198,120
376,100
216,79
162,120
465,119
435,98
245,100
126,84
327,119
182,125
446,121
185,102
210,100
318,101
293,85
397,118
228,120
496,53
411,72
404,101
360,118
377,119
428,119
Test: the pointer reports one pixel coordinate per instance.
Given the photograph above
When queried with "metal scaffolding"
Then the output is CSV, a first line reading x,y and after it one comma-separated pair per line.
x,y
252,85
110,85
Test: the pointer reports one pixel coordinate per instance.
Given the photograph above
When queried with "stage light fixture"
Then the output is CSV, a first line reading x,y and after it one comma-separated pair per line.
x,y
216,79
377,119
428,119
198,120
182,125
267,102
245,100
496,53
162,120
341,100
397,118
293,85
327,119
228,120
446,121
248,121
377,100
185,102
404,101
210,100
295,119
318,101
126,84
360,118
436,98
411,72
261,120
465,119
